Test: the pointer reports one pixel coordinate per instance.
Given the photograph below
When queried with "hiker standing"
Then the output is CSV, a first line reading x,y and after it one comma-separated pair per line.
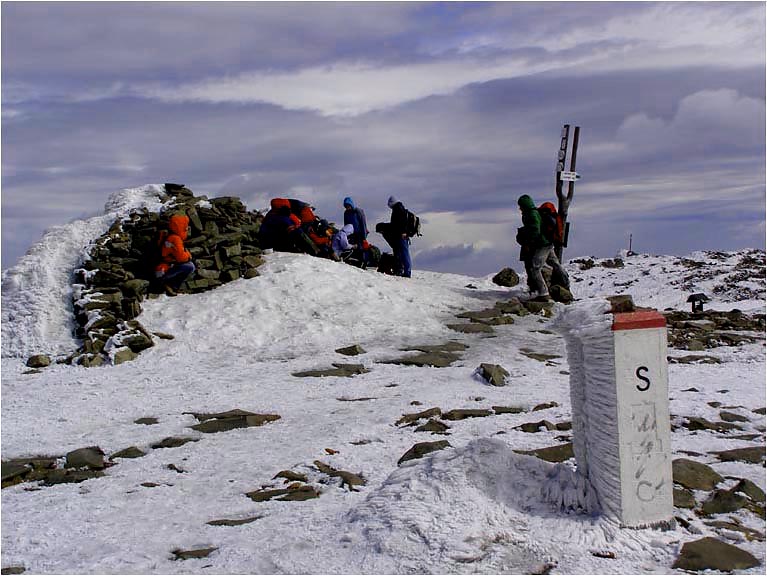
x,y
175,260
395,234
537,250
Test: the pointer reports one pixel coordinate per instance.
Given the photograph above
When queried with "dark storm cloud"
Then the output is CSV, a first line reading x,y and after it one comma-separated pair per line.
x,y
656,141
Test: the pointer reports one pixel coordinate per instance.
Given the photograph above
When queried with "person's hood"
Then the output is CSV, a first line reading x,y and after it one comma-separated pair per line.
x,y
277,203
526,203
349,202
178,224
348,229
392,201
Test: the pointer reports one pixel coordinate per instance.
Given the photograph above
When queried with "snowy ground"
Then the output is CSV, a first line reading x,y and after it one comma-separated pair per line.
x,y
472,508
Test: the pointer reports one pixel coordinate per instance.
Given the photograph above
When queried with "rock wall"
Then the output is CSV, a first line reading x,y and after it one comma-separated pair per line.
x,y
119,273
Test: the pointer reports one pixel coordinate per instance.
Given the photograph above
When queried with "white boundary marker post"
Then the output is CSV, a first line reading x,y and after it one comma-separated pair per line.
x,y
621,423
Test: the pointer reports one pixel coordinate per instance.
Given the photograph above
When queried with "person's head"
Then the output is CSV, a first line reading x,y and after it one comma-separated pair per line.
x,y
348,229
392,201
525,202
179,224
348,203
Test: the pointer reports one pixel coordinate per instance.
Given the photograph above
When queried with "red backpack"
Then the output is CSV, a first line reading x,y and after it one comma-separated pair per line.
x,y
552,225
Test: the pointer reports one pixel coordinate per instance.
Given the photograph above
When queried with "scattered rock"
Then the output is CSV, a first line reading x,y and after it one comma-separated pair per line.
x,y
722,502
13,570
703,359
545,406
235,521
190,554
561,294
753,455
164,336
507,278
694,475
289,494
131,452
532,427
348,479
38,361
621,303
732,417
472,328
174,442
507,409
493,373
353,350
231,420
759,410
91,457
341,370
537,355
147,421
712,554
552,453
434,426
451,346
462,414
410,418
421,449
124,355
749,489
683,498
434,359
698,423
748,533
603,554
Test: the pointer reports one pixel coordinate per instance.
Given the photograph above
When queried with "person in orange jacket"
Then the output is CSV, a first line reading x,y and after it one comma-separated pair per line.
x,y
175,261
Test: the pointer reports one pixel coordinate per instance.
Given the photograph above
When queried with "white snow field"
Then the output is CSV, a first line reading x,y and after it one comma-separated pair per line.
x,y
474,507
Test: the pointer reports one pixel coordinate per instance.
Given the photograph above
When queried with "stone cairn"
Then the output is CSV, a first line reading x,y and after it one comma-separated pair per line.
x,y
119,272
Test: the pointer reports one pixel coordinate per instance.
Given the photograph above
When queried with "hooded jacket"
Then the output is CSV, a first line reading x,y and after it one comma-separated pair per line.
x,y
356,217
277,223
341,239
172,249
530,235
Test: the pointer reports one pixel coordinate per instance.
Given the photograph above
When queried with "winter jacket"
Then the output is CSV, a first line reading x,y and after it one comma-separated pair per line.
x,y
171,243
398,222
302,210
277,224
356,217
530,235
341,239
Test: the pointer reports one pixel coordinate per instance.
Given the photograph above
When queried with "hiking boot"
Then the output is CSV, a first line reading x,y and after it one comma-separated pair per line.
x,y
170,291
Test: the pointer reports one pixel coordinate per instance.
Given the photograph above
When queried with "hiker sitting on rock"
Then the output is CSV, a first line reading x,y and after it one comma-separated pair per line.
x,y
321,234
537,250
355,216
340,243
175,260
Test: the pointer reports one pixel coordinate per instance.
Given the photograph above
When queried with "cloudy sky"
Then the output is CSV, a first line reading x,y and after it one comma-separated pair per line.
x,y
454,108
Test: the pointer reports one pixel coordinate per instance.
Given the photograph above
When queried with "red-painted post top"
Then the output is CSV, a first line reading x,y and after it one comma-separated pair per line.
x,y
638,320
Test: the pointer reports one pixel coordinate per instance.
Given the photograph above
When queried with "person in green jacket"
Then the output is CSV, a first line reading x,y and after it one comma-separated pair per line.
x,y
537,250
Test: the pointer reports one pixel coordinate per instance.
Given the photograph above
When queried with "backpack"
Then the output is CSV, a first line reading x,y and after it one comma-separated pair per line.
x,y
552,225
412,224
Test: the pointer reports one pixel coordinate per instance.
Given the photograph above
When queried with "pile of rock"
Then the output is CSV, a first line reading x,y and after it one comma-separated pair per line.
x,y
702,330
111,284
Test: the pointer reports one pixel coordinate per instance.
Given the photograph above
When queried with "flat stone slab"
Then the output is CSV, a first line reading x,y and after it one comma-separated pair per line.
x,y
131,452
472,328
13,570
551,453
174,442
540,356
433,359
463,413
748,533
191,554
702,359
234,422
697,423
414,417
723,502
753,455
451,346
508,409
290,476
353,350
532,427
91,457
147,421
348,479
289,494
480,314
234,521
342,370
712,554
434,426
422,449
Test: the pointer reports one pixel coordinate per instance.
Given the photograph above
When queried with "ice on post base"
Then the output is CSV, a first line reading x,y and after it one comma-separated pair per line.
x,y
621,426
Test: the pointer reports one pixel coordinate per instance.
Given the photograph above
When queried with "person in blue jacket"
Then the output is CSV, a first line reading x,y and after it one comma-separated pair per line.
x,y
356,217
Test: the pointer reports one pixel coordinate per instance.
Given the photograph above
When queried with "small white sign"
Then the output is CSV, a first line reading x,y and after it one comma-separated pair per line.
x,y
569,176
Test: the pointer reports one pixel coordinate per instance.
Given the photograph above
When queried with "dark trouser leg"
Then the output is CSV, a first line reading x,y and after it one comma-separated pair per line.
x,y
177,274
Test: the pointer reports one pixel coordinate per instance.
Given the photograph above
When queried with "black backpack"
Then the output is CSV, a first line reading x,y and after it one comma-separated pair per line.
x,y
412,224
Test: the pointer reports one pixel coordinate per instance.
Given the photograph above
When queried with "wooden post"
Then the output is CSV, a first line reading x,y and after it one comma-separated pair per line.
x,y
564,201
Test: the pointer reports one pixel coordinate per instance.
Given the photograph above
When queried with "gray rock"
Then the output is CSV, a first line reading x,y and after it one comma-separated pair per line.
x,y
124,355
294,494
545,406
532,427
342,370
91,457
290,476
434,427
174,442
722,502
410,418
462,414
232,423
147,421
451,346
561,294
472,328
712,554
695,346
191,554
621,303
353,350
558,453
507,278
508,409
131,452
683,498
434,359
749,489
421,449
732,417
694,475
235,521
753,455
749,533
39,361
493,373
541,357
13,570
13,470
